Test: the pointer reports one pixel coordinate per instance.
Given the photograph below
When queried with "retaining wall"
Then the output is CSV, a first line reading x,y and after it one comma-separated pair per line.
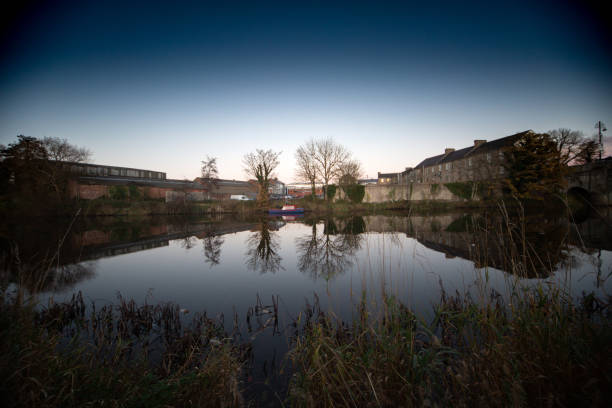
x,y
379,193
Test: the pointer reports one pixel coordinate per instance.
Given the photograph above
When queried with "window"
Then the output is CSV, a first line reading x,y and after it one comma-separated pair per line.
x,y
449,166
501,169
489,157
470,162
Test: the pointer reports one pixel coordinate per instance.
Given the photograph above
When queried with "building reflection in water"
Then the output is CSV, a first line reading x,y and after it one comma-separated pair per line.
x,y
31,254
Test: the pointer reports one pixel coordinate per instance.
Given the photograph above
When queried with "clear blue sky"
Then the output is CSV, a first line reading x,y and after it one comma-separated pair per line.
x,y
157,86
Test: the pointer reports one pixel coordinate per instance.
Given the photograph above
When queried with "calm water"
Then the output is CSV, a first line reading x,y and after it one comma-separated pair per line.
x,y
226,265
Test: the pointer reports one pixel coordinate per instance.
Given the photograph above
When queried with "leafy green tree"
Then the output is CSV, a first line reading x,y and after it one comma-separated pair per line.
x,y
534,167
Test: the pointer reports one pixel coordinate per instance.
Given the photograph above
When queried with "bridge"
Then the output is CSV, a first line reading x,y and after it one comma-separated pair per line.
x,y
593,181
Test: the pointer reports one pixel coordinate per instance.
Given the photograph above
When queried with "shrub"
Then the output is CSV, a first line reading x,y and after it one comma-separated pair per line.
x,y
331,191
118,192
355,192
461,189
434,189
134,192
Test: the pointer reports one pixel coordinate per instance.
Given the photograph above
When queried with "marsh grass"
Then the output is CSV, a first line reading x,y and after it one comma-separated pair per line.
x,y
538,350
68,355
535,345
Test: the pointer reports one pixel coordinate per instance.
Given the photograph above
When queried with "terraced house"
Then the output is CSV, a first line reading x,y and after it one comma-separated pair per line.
x,y
482,161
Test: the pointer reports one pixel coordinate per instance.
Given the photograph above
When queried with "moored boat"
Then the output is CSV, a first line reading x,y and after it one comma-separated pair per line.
x,y
287,209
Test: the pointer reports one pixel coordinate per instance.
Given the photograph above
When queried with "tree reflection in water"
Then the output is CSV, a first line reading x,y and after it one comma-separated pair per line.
x,y
328,255
262,250
188,242
35,278
212,249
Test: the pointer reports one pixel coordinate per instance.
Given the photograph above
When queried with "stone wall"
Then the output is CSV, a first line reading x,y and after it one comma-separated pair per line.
x,y
379,193
596,178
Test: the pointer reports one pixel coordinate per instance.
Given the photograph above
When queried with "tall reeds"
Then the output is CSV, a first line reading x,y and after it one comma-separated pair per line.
x,y
67,355
540,350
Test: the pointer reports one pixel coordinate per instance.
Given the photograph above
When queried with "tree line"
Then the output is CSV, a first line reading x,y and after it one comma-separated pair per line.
x,y
33,167
317,161
34,170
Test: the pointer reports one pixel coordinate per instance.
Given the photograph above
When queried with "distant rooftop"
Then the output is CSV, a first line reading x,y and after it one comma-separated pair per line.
x,y
478,147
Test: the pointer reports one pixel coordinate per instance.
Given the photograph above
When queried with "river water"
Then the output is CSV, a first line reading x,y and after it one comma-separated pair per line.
x,y
226,265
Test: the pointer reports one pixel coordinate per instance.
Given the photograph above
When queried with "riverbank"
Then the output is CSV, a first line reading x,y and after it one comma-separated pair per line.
x,y
539,349
317,207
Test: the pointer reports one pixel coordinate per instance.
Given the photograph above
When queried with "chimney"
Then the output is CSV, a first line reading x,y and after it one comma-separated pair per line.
x,y
448,150
479,142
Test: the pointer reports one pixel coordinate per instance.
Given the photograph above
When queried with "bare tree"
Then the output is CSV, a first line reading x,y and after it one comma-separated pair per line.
x,y
349,172
261,165
210,172
588,152
569,143
209,168
328,157
306,164
59,150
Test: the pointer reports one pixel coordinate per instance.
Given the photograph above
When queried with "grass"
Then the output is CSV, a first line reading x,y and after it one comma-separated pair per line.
x,y
122,356
536,349
539,350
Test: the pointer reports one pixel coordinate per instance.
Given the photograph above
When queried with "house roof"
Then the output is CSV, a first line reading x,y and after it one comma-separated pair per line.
x,y
467,151
430,161
387,175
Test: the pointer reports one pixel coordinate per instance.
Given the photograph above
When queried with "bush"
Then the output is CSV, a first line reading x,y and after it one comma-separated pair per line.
x,y
354,192
134,192
118,192
331,192
461,189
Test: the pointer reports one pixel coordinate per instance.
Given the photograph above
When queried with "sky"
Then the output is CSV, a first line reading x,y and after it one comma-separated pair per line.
x,y
163,85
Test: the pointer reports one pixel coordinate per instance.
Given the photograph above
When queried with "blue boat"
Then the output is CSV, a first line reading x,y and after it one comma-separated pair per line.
x,y
287,209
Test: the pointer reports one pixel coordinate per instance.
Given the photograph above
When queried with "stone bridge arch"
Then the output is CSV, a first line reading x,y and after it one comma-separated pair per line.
x,y
592,181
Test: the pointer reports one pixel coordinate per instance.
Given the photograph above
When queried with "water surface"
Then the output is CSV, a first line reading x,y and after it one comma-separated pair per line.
x,y
226,265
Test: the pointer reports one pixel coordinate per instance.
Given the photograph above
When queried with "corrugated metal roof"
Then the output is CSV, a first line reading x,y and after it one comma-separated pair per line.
x,y
142,182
